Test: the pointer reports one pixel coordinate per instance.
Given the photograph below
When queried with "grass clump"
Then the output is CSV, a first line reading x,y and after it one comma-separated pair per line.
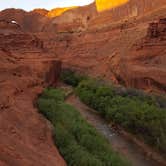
x,y
78,142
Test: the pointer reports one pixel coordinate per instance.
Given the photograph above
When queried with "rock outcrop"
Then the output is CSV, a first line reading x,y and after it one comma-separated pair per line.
x,y
25,136
42,12
20,42
75,20
59,11
121,10
149,53
125,44
29,21
9,26
110,51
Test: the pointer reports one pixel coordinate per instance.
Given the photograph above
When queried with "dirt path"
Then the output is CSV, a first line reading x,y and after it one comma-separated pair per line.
x,y
119,144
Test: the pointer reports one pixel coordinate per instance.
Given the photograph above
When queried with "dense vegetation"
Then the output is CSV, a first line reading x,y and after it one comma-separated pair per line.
x,y
141,114
71,78
79,143
136,112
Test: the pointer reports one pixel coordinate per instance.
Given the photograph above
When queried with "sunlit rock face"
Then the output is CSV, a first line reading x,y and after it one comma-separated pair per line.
x,y
103,5
58,11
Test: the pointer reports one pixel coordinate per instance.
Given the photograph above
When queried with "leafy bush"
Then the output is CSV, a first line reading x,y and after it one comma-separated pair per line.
x,y
71,78
54,94
79,143
135,111
74,79
138,94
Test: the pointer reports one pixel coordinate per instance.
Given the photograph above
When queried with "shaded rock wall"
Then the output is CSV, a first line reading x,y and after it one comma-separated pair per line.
x,y
111,45
150,54
29,21
131,56
53,75
20,42
25,136
80,18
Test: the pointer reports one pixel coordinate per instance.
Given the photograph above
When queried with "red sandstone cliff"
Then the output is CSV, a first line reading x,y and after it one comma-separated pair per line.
x,y
25,136
132,8
122,53
102,44
107,47
126,45
29,21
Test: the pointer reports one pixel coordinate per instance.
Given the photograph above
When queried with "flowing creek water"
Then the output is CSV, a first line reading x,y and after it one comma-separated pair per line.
x,y
119,143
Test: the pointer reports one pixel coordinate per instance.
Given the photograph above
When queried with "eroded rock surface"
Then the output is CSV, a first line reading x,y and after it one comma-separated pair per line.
x,y
126,45
25,136
130,52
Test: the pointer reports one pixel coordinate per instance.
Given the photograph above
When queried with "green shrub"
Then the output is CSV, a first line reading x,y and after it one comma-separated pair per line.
x,y
135,111
78,142
71,78
141,114
55,94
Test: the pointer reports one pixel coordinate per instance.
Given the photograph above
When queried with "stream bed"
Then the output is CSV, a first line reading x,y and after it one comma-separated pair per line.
x,y
119,143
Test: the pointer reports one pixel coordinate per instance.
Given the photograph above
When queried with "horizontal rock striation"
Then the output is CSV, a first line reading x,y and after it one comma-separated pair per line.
x,y
25,136
125,45
132,54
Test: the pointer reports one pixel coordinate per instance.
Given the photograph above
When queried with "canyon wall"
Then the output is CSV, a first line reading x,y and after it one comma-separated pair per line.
x,y
125,45
107,49
128,55
29,21
25,136
149,53
125,10
77,19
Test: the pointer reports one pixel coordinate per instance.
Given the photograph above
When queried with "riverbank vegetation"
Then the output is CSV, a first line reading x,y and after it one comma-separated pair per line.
x,y
78,142
141,114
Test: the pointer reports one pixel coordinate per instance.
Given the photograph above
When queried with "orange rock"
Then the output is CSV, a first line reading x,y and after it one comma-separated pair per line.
x,y
103,5
59,11
25,136
125,45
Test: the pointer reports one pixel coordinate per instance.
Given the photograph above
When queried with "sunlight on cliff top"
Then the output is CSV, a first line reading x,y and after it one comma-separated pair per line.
x,y
58,11
102,5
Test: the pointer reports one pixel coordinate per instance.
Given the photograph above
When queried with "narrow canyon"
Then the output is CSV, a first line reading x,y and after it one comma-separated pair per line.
x,y
123,43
